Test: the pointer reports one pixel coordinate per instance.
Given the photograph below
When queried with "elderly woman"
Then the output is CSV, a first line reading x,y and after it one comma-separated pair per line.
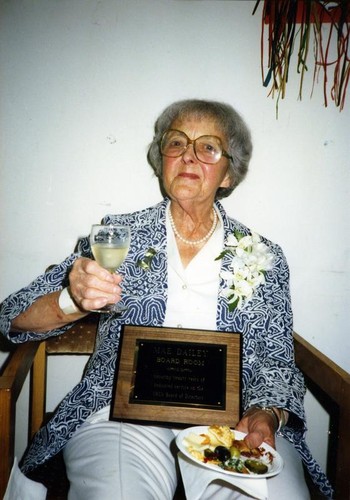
x,y
200,153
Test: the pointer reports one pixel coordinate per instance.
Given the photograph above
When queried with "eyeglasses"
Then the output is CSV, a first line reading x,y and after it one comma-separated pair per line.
x,y
207,148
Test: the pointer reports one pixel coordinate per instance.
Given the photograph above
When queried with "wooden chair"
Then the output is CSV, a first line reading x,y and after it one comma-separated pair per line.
x,y
327,381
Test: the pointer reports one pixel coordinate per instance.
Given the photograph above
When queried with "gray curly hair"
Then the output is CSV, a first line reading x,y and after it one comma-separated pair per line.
x,y
227,119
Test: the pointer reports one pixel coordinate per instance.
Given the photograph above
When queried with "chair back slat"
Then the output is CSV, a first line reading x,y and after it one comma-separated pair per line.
x,y
80,339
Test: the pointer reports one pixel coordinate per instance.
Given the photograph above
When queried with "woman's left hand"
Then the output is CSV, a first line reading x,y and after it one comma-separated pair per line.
x,y
259,426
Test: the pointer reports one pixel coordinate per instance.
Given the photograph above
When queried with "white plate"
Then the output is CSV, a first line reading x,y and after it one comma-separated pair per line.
x,y
274,468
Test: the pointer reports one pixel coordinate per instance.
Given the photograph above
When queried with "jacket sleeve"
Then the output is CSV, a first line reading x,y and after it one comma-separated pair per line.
x,y
54,279
274,378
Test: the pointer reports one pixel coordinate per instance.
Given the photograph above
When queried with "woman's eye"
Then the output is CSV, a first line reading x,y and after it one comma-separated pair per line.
x,y
175,144
210,148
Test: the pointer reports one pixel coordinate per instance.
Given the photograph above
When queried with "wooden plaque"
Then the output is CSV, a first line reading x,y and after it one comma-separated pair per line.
x,y
178,376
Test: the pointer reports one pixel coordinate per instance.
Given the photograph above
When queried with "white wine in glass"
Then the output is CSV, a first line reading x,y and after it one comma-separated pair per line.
x,y
110,245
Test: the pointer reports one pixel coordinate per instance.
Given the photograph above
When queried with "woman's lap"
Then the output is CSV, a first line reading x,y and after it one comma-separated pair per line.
x,y
292,478
123,461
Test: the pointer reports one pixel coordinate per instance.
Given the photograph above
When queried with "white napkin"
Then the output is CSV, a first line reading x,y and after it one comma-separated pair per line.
x,y
196,478
21,487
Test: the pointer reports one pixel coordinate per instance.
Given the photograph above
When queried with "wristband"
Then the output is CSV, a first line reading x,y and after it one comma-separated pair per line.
x,y
273,413
277,414
66,303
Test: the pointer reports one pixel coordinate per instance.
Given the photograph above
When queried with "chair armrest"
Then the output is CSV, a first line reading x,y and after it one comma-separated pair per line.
x,y
12,379
334,384
32,356
326,374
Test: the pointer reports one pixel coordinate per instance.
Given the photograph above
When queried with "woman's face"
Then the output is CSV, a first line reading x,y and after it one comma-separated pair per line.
x,y
185,178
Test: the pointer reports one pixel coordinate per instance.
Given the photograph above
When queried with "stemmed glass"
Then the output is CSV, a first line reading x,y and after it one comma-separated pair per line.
x,y
110,245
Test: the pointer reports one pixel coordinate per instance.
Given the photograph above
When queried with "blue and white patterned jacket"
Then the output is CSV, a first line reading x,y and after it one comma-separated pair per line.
x,y
270,377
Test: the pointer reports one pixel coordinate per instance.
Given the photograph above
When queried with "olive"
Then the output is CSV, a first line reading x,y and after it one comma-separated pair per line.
x,y
256,466
235,453
222,453
208,453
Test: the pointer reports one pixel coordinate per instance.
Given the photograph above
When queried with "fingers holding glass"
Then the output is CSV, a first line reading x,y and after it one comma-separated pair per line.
x,y
92,286
110,245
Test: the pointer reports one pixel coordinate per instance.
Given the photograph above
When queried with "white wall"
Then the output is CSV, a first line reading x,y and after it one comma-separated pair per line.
x,y
82,82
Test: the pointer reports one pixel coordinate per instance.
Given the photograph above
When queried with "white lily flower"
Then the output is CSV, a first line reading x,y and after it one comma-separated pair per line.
x,y
237,264
251,258
245,242
231,240
256,238
243,288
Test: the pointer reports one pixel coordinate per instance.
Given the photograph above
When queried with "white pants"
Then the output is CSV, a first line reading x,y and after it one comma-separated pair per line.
x,y
113,461
20,487
120,461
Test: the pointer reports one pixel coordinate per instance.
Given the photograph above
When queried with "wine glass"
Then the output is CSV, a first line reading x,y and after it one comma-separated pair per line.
x,y
110,245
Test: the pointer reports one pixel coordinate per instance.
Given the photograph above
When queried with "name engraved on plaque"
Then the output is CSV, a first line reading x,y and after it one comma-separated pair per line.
x,y
179,374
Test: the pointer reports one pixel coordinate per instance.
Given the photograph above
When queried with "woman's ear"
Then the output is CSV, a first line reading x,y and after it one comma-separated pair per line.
x,y
227,181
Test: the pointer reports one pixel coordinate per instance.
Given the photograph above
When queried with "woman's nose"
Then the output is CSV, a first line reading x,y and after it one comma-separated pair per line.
x,y
189,155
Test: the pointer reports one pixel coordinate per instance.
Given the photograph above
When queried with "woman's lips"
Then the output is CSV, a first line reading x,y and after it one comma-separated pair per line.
x,y
188,175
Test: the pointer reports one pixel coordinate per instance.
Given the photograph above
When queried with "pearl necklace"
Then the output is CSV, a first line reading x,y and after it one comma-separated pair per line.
x,y
194,242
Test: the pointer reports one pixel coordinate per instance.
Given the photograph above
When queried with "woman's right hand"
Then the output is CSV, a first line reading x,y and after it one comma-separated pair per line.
x,y
92,286
259,427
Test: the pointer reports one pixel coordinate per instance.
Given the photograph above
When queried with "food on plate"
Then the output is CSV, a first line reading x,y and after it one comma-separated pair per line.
x,y
218,446
197,441
256,466
220,435
216,436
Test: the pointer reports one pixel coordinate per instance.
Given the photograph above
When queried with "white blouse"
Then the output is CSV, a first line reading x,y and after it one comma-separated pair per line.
x,y
192,290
